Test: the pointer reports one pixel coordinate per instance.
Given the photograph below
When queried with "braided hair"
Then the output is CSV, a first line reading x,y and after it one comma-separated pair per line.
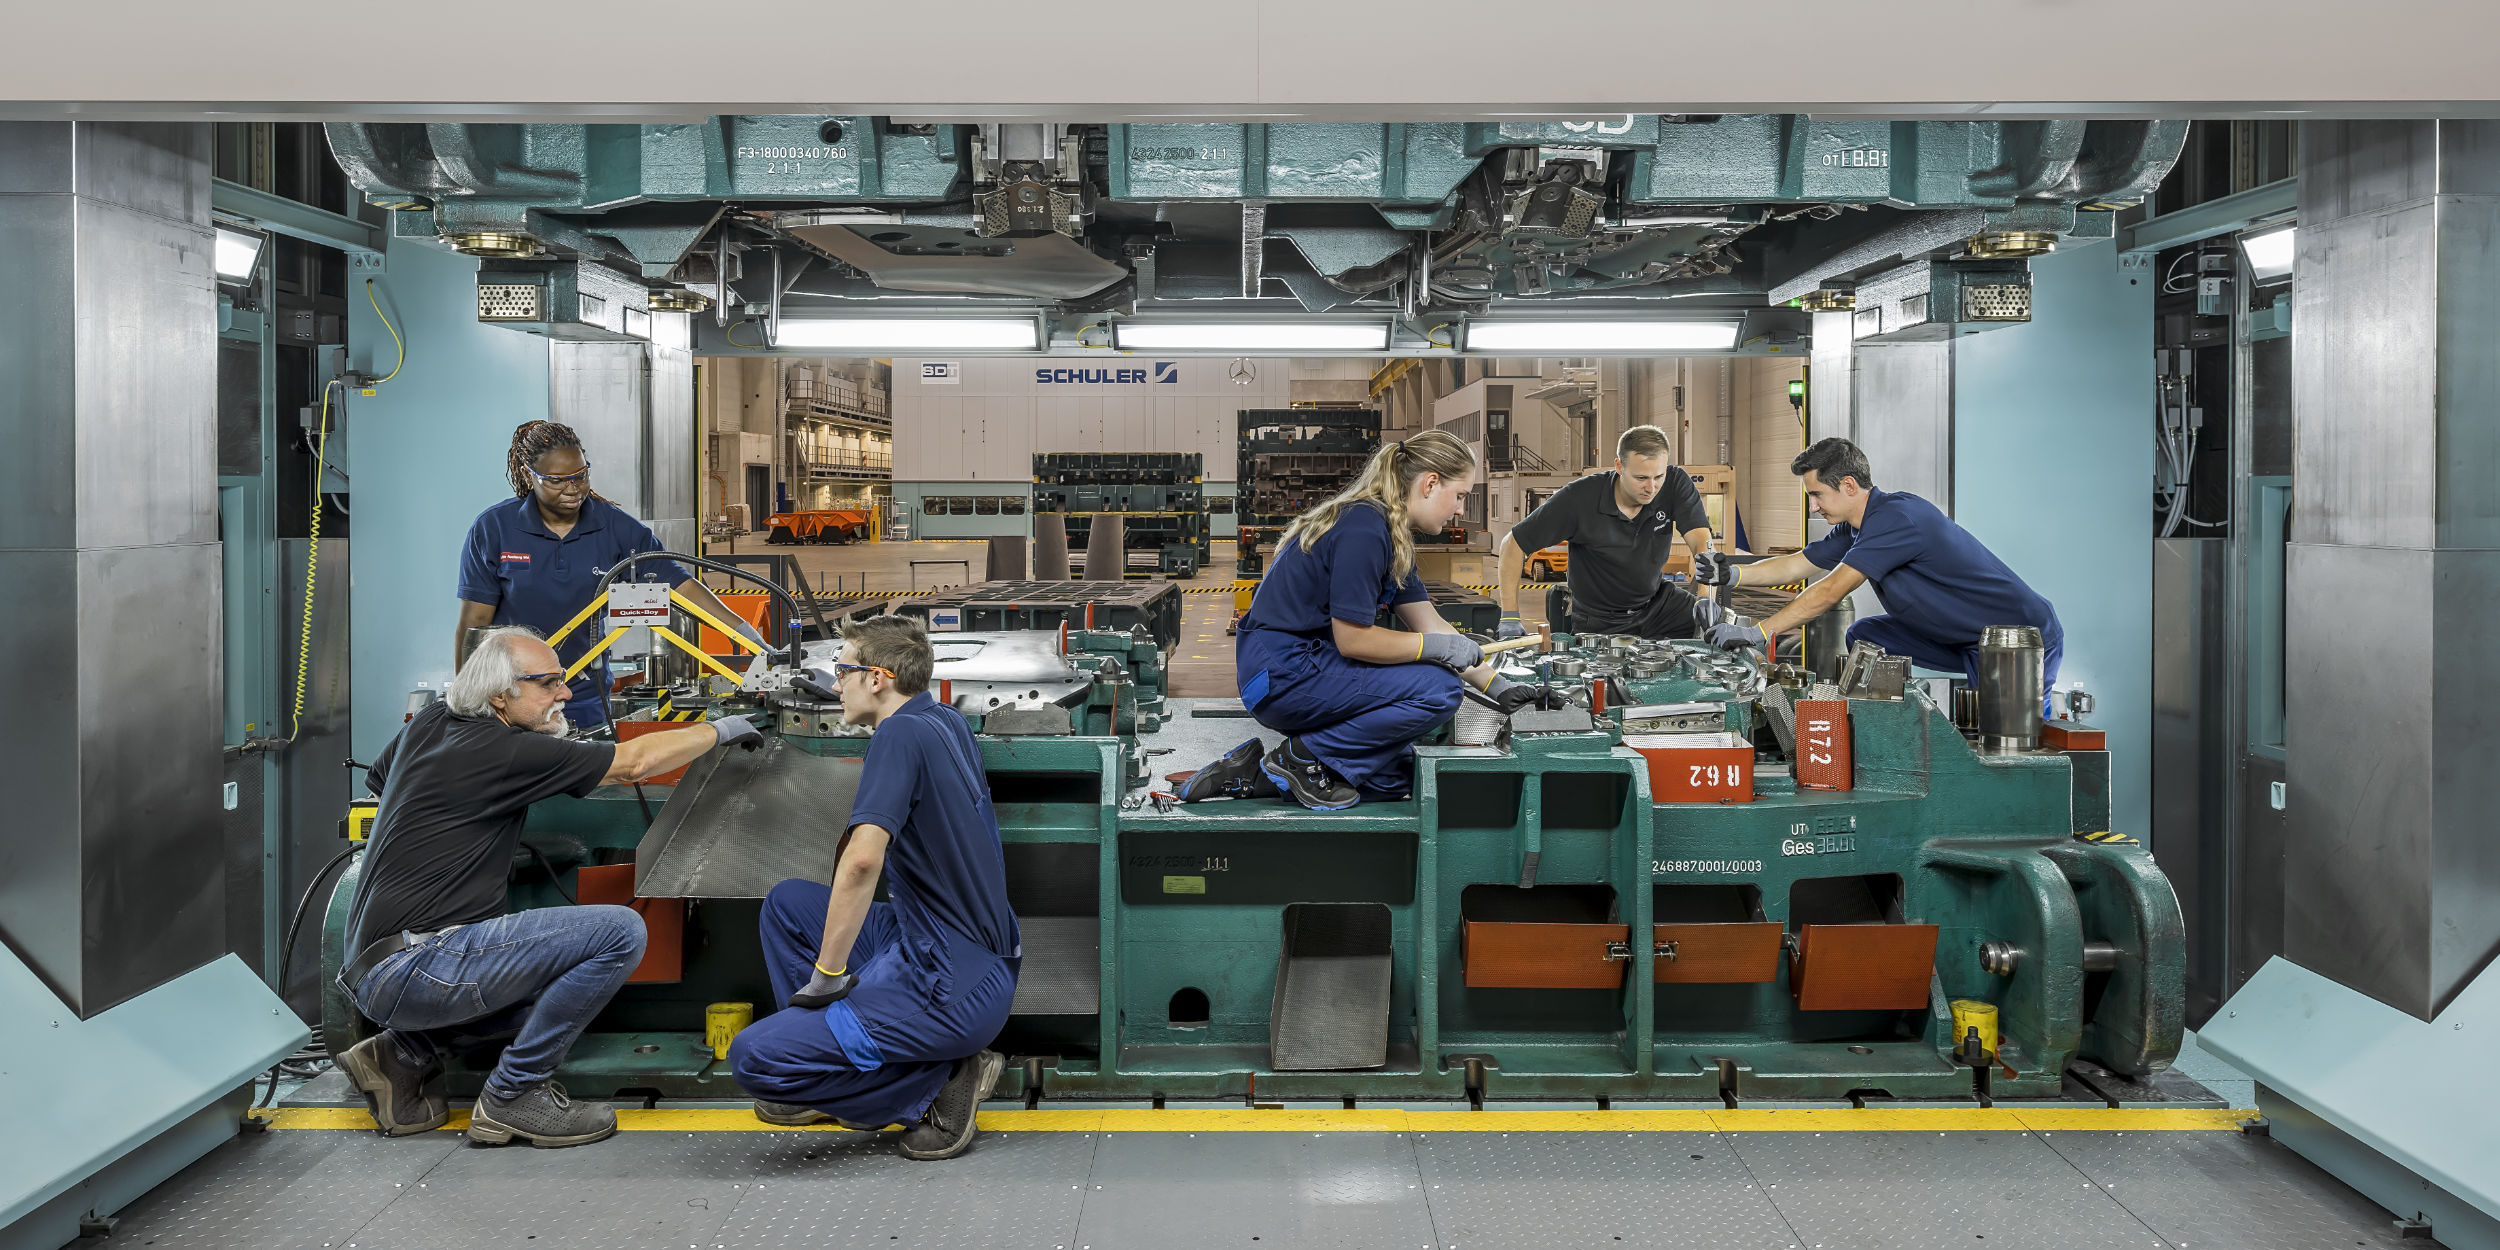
x,y
534,439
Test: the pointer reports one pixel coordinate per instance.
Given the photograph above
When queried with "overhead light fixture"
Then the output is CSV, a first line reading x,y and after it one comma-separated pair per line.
x,y
2269,252
1567,337
910,334
238,252
1250,336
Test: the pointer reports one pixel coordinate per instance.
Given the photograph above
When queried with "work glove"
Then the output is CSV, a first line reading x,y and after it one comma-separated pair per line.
x,y
738,729
1730,636
1513,695
817,684
1456,652
1511,627
1713,569
823,991
1706,613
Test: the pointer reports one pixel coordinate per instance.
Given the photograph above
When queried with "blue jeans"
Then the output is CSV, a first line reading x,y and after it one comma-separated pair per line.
x,y
544,972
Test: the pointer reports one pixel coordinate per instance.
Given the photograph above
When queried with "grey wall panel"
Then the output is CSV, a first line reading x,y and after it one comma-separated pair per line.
x,y
599,390
672,438
39,855
1830,397
1903,409
2357,869
38,253
113,879
247,857
2391,879
149,727
146,391
2257,848
2191,762
2362,348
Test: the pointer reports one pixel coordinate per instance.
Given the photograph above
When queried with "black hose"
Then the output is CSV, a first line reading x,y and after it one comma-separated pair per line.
x,y
607,710
286,949
730,570
557,878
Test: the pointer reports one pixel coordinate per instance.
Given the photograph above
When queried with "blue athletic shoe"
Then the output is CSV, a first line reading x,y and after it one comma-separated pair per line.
x,y
1311,783
1233,775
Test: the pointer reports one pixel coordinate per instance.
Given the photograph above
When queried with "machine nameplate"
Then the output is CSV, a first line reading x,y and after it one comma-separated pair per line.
x,y
1184,885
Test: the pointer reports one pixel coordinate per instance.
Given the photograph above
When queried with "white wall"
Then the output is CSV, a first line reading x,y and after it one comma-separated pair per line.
x,y
989,427
1315,59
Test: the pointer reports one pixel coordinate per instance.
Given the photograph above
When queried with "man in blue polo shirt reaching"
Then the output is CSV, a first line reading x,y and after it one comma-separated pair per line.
x,y
892,1006
1940,587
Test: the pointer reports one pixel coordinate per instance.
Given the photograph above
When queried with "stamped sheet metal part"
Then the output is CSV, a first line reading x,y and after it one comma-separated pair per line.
x,y
1021,668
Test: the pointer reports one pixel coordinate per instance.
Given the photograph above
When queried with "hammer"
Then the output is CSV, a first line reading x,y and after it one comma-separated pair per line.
x,y
1541,640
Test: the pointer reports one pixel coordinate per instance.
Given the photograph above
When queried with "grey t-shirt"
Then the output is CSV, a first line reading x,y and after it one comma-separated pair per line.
x,y
455,792
1615,560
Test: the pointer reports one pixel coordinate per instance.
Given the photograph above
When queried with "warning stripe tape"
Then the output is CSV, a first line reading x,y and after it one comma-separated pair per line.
x,y
2051,1119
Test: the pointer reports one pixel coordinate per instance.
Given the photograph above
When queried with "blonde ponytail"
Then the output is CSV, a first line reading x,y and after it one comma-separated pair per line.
x,y
1385,483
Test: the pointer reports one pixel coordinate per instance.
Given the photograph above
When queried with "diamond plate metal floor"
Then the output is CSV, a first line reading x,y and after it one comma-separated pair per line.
x,y
330,1189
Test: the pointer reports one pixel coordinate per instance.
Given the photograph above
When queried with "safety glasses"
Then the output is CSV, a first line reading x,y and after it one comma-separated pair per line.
x,y
568,479
544,681
840,669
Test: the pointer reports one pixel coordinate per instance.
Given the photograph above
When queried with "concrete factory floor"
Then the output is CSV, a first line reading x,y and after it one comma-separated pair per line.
x,y
1202,668
1091,1178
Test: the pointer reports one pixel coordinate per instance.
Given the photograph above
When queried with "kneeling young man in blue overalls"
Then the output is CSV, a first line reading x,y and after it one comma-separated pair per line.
x,y
892,1005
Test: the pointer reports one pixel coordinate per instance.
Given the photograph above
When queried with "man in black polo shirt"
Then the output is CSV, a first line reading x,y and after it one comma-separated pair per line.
x,y
435,955
1621,526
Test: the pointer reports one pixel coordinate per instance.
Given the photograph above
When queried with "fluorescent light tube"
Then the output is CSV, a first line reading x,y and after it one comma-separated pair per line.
x,y
1251,336
898,334
1596,338
2269,253
238,252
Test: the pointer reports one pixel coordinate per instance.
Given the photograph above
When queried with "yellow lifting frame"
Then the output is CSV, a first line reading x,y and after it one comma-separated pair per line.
x,y
661,631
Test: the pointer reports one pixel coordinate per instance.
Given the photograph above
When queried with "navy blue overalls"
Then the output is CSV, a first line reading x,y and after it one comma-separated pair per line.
x,y
1360,719
537,579
1939,584
937,965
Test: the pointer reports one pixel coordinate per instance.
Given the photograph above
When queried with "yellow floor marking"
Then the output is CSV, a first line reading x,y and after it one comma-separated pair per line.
x,y
2128,1119
1389,1120
1872,1119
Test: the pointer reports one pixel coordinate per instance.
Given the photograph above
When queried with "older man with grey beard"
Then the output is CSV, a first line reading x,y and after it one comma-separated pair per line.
x,y
435,955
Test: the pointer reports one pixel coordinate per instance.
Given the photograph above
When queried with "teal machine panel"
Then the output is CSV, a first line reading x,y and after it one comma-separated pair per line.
x,y
1478,940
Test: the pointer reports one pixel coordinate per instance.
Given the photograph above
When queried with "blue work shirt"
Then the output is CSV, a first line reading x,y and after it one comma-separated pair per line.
x,y
1343,577
513,561
1933,575
944,872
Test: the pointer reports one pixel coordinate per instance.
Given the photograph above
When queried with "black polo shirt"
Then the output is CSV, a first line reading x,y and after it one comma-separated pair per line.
x,y
455,792
1615,560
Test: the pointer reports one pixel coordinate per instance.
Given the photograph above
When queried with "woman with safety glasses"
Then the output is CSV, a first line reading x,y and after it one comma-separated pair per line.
x,y
536,559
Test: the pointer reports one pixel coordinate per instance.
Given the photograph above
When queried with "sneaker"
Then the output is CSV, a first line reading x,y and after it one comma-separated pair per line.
x,y
948,1128
1311,783
1234,775
545,1116
401,1104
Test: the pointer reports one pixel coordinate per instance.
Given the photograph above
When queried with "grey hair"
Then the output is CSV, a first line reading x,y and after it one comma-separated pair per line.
x,y
491,670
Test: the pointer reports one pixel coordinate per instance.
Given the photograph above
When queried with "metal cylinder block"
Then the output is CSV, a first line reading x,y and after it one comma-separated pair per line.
x,y
2010,688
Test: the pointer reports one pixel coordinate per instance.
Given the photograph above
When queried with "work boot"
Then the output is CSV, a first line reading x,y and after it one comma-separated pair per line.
x,y
1234,775
947,1130
789,1114
395,1089
544,1116
1311,783
793,1115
